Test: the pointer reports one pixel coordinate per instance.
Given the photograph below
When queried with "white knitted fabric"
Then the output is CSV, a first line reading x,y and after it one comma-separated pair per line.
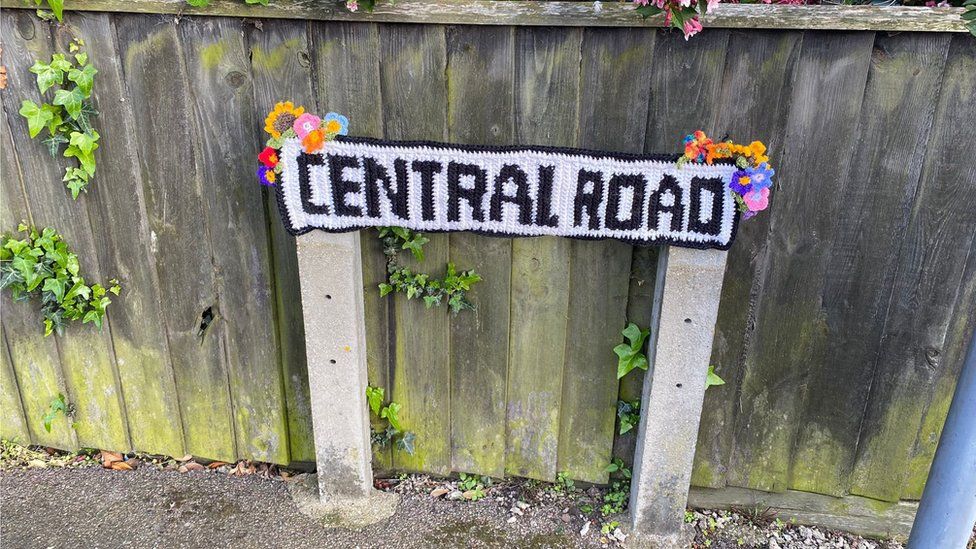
x,y
563,200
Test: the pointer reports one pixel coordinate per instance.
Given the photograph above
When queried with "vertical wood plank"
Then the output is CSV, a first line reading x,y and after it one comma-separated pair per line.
x,y
222,107
180,229
547,107
615,82
961,327
758,70
414,89
13,422
481,110
826,99
117,210
867,233
927,280
87,356
281,71
348,81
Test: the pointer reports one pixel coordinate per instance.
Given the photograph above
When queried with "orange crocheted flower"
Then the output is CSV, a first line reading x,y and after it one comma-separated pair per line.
x,y
282,118
313,141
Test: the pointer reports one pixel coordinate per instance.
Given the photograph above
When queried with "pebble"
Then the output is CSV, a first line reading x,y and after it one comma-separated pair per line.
x,y
564,517
585,528
521,505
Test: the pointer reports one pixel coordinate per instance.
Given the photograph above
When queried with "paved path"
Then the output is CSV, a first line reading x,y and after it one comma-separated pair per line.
x,y
93,507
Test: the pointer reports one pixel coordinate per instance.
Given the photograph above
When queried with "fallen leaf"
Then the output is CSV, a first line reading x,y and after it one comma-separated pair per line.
x,y
191,466
217,464
120,466
108,458
187,457
439,492
37,463
468,495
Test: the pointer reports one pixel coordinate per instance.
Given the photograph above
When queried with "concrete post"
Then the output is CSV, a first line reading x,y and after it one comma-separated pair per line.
x,y
330,270
689,284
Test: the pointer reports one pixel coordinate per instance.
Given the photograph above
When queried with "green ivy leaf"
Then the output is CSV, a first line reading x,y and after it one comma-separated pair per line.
x,y
37,117
406,442
84,141
391,413
374,396
48,74
712,378
57,6
385,289
83,78
70,100
198,3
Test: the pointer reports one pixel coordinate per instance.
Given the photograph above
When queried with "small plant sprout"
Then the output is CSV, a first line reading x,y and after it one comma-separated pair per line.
x,y
712,378
630,355
394,430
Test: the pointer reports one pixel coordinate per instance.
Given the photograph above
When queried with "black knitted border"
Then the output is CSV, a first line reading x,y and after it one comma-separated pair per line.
x,y
659,241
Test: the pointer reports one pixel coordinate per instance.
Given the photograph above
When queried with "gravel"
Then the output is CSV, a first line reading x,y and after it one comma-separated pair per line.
x,y
152,507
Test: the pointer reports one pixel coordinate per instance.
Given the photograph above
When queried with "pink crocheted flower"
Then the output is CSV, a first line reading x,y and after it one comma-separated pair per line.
x,y
757,200
306,124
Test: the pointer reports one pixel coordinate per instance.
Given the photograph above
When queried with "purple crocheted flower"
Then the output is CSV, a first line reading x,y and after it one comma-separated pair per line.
x,y
740,182
266,176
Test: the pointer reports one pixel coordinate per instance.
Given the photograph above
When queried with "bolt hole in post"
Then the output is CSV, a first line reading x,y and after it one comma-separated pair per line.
x,y
687,321
678,385
327,296
332,361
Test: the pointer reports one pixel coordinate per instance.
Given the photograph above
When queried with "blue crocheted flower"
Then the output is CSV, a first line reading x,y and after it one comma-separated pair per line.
x,y
342,120
761,176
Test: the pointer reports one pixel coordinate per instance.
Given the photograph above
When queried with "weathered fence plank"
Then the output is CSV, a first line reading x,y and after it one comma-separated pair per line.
x,y
180,229
546,100
826,99
863,255
223,107
414,90
347,74
614,75
117,210
561,13
86,354
481,110
750,104
928,276
13,423
281,71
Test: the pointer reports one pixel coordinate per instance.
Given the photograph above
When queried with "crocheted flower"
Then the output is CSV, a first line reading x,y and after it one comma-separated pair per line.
x,y
336,123
282,118
740,182
269,157
266,176
761,176
757,200
696,146
313,141
305,124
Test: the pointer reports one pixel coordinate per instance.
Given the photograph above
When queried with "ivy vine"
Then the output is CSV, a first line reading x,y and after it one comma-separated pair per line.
x,y
42,266
67,118
394,431
451,289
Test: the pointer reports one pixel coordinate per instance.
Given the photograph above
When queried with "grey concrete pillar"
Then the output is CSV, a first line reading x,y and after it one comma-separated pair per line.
x,y
689,285
331,274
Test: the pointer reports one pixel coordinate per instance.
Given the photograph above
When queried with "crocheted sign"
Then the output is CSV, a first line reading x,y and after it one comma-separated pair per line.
x,y
335,183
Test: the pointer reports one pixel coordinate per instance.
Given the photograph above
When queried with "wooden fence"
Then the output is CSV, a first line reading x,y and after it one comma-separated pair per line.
x,y
844,312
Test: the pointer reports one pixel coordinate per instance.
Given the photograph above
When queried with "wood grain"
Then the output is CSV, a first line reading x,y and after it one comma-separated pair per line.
x,y
223,106
87,356
928,276
155,74
413,60
614,79
558,13
863,255
826,99
759,68
281,70
481,110
546,103
117,208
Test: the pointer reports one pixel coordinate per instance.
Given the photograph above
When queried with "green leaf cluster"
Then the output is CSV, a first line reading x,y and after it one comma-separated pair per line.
x,y
452,289
628,412
56,6
391,413
59,405
616,498
67,118
473,486
631,355
41,266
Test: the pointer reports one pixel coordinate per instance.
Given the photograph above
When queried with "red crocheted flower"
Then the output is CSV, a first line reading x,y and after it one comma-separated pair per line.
x,y
269,157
